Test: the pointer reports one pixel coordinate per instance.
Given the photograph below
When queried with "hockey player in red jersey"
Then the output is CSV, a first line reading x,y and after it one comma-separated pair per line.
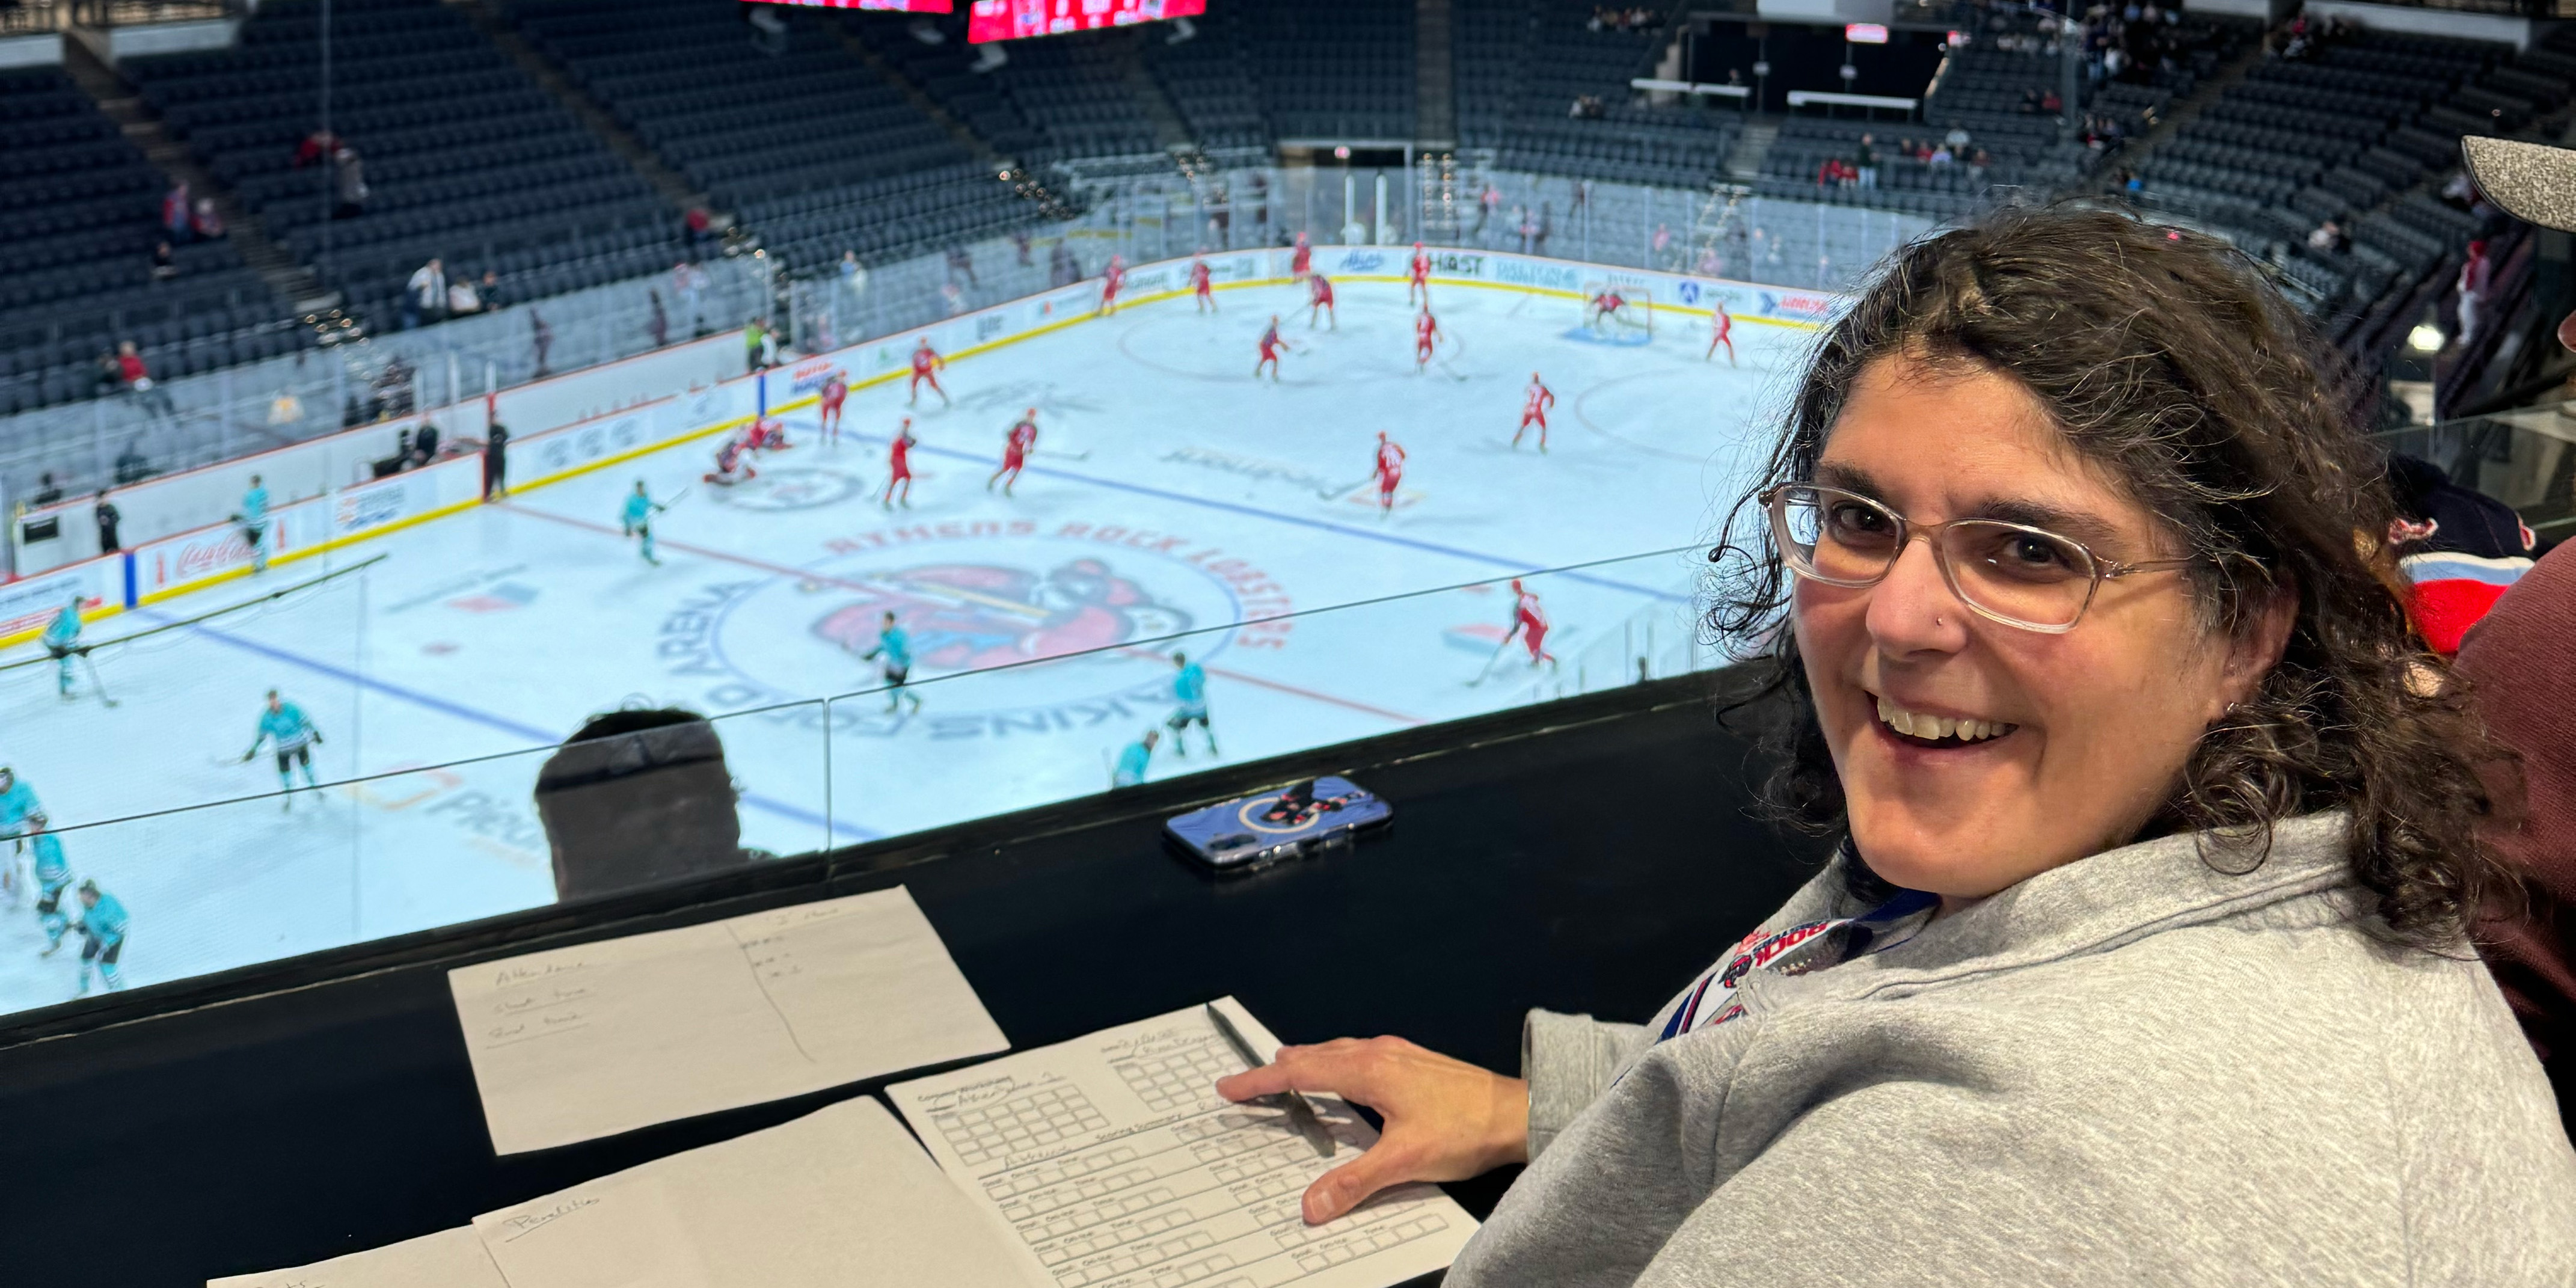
x,y
1418,276
1111,279
1202,290
1016,447
835,392
1534,411
926,365
1606,305
1390,471
1530,625
1271,347
1319,299
766,435
1426,334
899,464
1301,259
1721,329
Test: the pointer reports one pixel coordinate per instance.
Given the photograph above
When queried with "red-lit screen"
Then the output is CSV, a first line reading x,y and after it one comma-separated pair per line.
x,y
1012,19
906,6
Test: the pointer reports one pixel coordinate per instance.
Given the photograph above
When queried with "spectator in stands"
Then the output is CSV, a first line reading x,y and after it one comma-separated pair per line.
x,y
165,263
1865,161
659,326
961,263
701,229
490,291
462,299
205,221
2328,237
47,492
317,145
541,338
1488,204
2194,794
2476,274
349,180
425,297
1020,241
688,283
175,210
105,512
137,381
2458,193
109,375
755,338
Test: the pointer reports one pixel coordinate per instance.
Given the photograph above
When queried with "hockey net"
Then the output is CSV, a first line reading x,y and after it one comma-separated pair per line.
x,y
1634,320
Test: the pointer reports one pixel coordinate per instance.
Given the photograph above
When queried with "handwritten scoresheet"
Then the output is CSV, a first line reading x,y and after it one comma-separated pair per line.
x,y
1117,1165
577,1043
841,1196
448,1259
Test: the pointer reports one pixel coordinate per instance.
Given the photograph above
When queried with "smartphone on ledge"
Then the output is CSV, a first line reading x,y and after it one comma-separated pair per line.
x,y
1300,819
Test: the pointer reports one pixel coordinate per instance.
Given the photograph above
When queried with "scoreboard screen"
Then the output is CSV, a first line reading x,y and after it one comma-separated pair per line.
x,y
900,6
1012,19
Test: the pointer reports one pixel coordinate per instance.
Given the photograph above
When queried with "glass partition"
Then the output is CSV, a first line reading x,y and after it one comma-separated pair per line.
x,y
2526,459
339,842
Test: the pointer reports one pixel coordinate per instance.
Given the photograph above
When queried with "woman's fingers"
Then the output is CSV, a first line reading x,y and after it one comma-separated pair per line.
x,y
1347,1186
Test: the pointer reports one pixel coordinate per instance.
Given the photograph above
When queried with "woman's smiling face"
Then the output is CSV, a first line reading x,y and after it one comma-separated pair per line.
x,y
2081,736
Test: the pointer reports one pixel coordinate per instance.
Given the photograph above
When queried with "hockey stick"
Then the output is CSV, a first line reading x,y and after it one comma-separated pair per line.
x,y
1052,454
1338,493
96,686
1485,671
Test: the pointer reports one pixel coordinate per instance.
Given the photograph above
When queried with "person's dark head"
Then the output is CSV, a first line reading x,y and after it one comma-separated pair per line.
x,y
274,701
89,894
637,797
2135,403
1179,658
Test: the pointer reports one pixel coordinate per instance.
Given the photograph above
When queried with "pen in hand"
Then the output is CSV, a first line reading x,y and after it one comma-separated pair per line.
x,y
1300,1112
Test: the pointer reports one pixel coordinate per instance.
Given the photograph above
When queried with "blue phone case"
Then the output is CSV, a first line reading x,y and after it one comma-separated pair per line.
x,y
1296,820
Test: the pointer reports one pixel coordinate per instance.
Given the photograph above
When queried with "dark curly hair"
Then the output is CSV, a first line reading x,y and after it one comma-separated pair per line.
x,y
2168,363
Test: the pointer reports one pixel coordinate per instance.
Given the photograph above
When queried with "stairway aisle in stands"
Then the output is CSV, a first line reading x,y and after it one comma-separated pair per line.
x,y
674,186
993,158
292,281
1435,103
1744,163
1170,130
2181,113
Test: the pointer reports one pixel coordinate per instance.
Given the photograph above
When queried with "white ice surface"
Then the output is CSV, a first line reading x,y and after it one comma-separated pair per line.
x,y
1171,492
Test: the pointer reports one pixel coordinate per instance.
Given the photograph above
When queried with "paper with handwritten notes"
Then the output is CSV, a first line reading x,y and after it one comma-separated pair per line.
x,y
576,1043
841,1196
448,1259
1114,1164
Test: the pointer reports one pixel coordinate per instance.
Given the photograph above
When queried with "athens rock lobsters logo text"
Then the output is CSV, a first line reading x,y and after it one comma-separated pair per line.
x,y
1017,628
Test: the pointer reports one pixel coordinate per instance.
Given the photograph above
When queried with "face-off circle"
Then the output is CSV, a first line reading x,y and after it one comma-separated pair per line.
x,y
806,488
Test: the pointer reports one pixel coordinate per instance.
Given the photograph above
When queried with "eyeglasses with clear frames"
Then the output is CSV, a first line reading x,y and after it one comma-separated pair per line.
x,y
2012,573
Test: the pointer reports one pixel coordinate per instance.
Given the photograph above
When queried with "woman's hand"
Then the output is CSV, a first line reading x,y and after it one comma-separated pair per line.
x,y
1446,1120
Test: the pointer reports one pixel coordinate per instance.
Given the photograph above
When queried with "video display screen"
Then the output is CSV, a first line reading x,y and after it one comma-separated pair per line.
x,y
1013,19
899,6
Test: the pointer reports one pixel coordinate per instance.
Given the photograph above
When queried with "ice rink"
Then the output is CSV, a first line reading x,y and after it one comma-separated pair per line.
x,y
1172,495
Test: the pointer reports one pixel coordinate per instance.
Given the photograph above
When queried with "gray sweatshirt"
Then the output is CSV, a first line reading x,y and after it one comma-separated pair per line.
x,y
2129,1070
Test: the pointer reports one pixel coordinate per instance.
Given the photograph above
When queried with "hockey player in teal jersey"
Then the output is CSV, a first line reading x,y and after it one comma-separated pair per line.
x,y
62,643
637,519
1133,759
893,656
18,804
103,925
53,876
1189,697
283,727
254,523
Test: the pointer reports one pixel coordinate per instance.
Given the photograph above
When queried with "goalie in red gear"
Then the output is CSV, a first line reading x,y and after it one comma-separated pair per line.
x,y
1389,472
1606,305
926,365
1426,334
1721,330
1534,411
731,464
766,436
1319,299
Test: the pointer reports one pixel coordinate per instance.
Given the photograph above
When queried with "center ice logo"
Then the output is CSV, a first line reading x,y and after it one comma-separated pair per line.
x,y
971,616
